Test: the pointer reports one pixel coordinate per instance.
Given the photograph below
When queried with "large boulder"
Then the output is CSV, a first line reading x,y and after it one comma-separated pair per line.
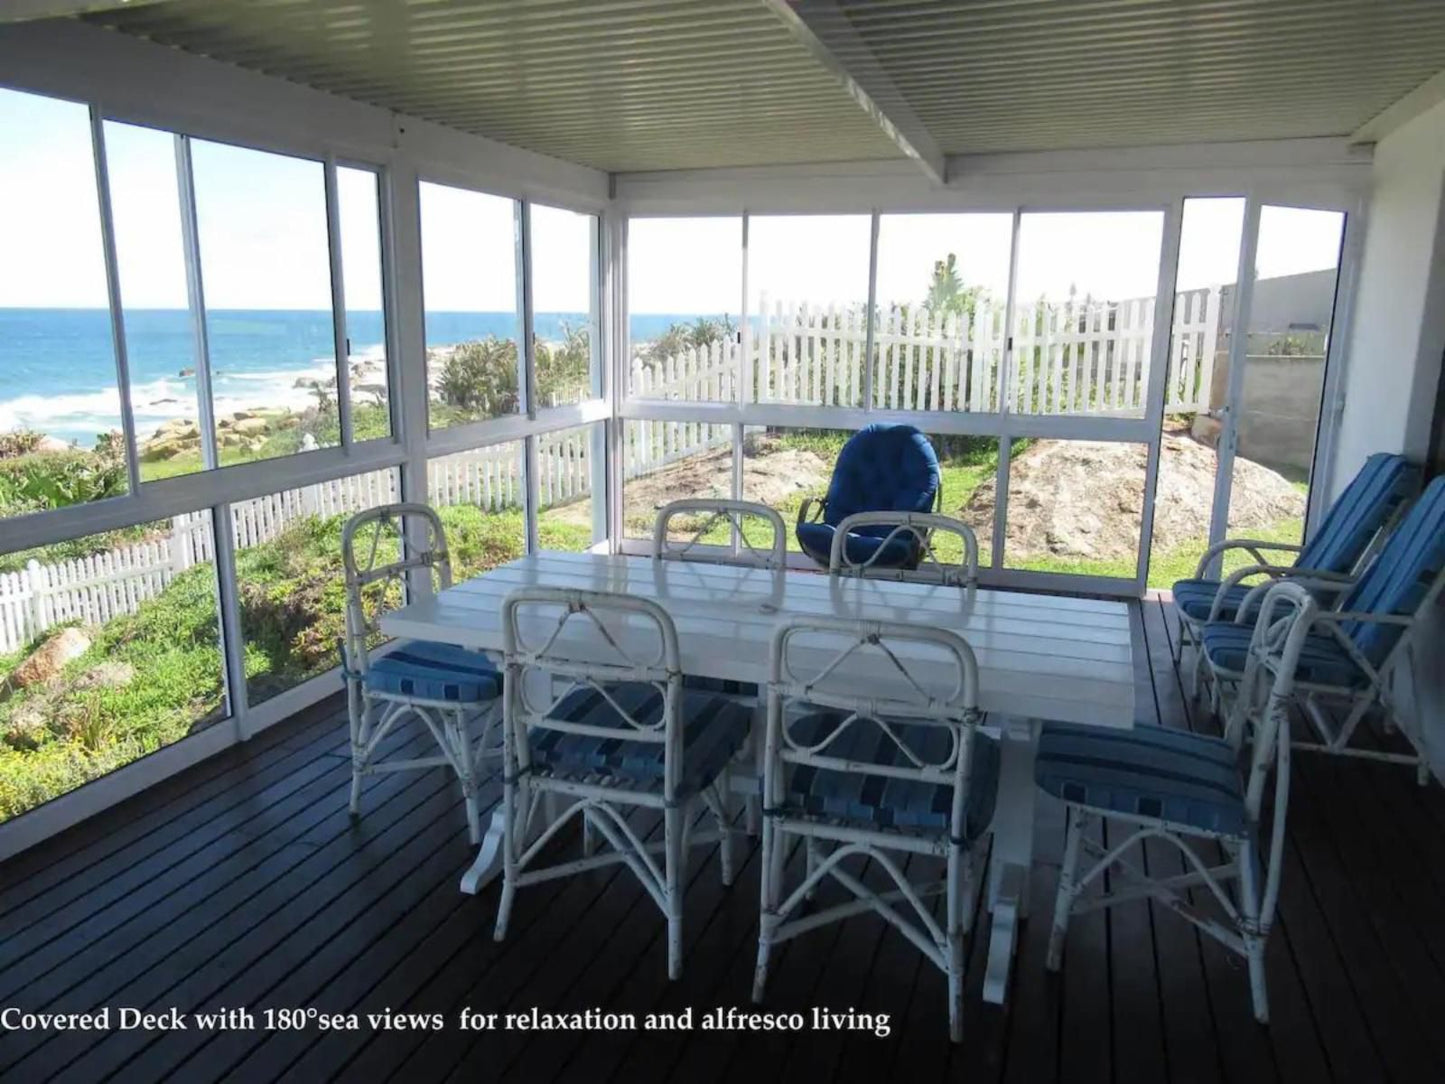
x,y
1084,499
47,660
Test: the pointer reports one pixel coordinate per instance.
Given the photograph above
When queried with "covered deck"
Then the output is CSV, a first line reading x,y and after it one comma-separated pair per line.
x,y
242,882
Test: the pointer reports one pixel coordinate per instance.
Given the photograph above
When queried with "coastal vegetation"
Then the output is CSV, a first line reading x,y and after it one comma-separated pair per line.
x,y
146,679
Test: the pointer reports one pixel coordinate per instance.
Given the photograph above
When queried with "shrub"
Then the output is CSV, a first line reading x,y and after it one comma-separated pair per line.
x,y
481,377
35,481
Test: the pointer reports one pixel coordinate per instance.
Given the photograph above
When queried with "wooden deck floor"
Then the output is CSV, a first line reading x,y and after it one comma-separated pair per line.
x,y
243,883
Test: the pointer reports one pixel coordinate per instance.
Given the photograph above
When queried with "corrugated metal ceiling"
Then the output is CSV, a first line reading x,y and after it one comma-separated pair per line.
x,y
619,84
664,84
1014,75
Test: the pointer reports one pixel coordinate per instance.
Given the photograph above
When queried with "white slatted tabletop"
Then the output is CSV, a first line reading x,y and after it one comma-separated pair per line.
x,y
1039,656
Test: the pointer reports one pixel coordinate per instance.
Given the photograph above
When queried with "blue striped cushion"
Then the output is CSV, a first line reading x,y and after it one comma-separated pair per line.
x,y
713,729
898,552
432,671
1185,779
1397,581
879,802
1344,534
720,686
1322,660
1359,512
1195,598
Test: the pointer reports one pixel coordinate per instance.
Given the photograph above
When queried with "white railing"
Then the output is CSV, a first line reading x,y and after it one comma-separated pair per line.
x,y
1079,356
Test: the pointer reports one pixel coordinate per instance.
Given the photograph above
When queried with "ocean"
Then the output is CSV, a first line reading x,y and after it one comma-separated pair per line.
x,y
57,367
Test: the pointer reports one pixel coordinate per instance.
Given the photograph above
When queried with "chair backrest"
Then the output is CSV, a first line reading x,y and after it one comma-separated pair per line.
x,y
615,644
883,468
380,549
1405,575
920,531
1367,505
701,515
909,686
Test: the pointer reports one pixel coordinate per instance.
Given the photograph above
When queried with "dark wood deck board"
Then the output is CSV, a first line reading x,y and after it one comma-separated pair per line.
x,y
242,881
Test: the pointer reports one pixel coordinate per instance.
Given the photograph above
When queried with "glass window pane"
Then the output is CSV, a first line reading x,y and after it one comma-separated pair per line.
x,y
469,281
667,461
942,294
359,214
116,655
684,293
783,467
1296,265
481,494
808,297
566,328
59,409
289,577
160,335
1209,240
571,479
266,272
1084,312
1075,506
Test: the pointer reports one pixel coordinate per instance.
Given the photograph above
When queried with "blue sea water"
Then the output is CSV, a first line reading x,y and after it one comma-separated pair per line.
x,y
57,367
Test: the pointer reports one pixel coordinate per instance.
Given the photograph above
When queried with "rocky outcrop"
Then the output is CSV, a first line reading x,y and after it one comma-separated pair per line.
x,y
50,658
1084,499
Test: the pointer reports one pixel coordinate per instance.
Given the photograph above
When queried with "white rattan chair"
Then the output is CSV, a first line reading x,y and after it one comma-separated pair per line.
x,y
736,514
873,749
916,531
1187,790
621,735
451,690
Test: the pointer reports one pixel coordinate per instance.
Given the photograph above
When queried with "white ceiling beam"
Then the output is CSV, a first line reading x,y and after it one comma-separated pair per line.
x,y
826,32
19,11
1426,96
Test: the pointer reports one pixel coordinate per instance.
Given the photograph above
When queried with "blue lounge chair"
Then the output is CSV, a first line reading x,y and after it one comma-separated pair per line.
x,y
882,468
1371,501
1339,654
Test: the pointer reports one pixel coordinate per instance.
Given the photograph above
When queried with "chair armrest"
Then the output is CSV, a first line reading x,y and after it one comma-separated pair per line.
x,y
1253,546
1316,581
805,509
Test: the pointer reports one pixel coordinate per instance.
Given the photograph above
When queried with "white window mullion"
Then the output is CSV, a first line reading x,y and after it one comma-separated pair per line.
x,y
1159,353
1004,406
338,305
195,288
870,332
228,606
112,286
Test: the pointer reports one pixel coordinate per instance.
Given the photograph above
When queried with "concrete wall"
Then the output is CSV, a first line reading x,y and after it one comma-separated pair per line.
x,y
1395,348
1280,402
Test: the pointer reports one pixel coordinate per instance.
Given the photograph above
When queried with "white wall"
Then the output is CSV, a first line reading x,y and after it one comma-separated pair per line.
x,y
1396,341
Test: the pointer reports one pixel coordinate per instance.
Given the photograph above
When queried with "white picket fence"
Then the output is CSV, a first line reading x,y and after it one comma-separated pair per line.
x,y
1079,356
95,589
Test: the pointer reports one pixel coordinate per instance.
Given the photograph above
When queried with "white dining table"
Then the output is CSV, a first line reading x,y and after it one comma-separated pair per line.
x,y
1040,657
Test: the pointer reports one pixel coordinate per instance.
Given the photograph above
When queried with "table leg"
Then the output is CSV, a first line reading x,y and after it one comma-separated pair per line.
x,y
488,864
1013,848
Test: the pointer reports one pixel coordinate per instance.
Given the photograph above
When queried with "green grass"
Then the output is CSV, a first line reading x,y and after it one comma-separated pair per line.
x,y
292,599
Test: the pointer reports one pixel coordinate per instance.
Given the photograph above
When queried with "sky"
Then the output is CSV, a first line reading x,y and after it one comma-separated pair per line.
x,y
262,227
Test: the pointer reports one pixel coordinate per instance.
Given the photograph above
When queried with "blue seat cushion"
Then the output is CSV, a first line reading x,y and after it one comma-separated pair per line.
x,y
1171,775
432,671
1323,660
713,729
1195,598
720,686
879,802
897,552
